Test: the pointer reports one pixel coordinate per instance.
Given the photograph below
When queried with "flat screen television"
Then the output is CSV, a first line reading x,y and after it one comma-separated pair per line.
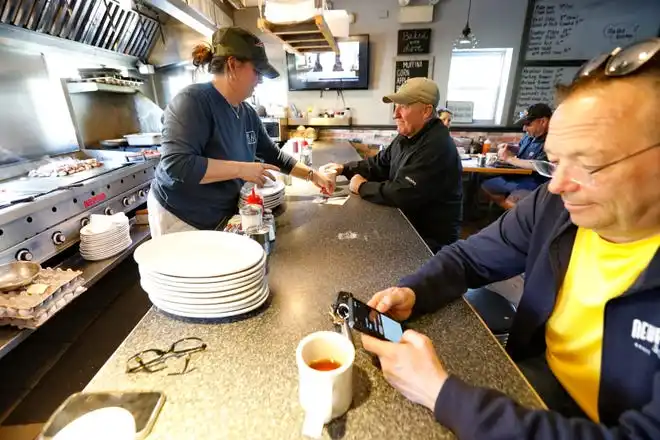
x,y
327,71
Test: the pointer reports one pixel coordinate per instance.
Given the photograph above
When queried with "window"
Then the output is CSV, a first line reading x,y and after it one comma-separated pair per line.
x,y
480,76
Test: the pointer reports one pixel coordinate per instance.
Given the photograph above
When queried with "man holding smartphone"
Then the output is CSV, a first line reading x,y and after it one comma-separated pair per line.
x,y
587,330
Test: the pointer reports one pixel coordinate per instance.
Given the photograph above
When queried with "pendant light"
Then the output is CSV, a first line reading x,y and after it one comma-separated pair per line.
x,y
466,40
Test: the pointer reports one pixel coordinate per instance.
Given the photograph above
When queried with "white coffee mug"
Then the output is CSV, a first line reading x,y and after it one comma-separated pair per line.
x,y
491,158
324,395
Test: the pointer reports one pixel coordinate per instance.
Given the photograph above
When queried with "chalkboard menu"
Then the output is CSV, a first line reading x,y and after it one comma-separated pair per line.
x,y
413,41
537,84
582,29
412,67
564,34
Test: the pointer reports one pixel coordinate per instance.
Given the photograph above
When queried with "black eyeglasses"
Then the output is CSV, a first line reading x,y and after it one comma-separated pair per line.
x,y
621,62
154,359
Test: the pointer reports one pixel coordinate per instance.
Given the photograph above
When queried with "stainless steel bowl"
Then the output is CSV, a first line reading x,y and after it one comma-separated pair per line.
x,y
18,274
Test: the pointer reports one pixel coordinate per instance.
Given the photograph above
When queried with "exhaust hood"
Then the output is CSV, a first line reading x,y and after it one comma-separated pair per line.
x,y
99,23
105,25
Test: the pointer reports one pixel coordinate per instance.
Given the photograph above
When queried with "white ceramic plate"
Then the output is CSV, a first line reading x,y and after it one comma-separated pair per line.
x,y
106,248
232,279
199,254
267,198
209,314
266,203
197,289
191,302
99,257
87,231
103,247
89,244
271,187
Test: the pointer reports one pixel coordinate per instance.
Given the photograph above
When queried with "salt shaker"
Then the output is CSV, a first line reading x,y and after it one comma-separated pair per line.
x,y
269,221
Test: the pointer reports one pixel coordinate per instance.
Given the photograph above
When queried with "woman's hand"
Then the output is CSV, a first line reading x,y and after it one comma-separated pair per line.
x,y
326,184
256,172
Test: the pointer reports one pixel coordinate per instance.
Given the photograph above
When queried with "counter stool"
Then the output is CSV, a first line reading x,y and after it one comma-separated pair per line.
x,y
496,311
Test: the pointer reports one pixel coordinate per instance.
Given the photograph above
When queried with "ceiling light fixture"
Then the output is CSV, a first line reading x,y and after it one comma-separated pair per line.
x,y
466,40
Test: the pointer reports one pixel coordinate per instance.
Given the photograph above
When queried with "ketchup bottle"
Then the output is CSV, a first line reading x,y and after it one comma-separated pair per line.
x,y
255,199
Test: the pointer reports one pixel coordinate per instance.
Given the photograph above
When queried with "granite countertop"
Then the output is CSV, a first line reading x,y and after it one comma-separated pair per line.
x,y
244,386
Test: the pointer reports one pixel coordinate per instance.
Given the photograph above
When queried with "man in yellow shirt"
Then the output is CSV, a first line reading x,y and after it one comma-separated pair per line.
x,y
588,242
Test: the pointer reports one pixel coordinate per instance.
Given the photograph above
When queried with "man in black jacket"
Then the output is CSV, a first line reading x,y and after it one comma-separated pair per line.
x,y
420,172
589,244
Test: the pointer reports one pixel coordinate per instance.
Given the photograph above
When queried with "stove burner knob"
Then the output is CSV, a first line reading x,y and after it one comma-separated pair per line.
x,y
108,211
142,193
59,238
84,222
125,201
24,255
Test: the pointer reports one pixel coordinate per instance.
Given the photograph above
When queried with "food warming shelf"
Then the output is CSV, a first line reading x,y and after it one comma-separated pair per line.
x,y
311,35
86,87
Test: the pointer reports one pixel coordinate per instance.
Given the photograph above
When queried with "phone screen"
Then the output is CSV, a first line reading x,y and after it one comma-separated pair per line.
x,y
375,322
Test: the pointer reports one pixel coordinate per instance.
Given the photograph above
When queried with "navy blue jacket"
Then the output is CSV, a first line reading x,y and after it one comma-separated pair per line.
x,y
200,124
537,238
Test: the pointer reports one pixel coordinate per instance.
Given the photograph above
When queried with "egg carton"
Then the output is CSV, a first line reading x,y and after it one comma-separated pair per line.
x,y
22,303
44,312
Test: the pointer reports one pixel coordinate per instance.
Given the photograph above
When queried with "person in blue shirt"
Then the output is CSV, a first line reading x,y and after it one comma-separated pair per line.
x,y
535,123
211,139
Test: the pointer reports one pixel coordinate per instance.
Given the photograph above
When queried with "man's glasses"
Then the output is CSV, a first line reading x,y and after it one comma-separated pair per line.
x,y
154,359
578,174
621,62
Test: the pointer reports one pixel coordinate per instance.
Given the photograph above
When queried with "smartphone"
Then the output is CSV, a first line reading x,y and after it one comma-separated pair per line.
x,y
144,406
368,320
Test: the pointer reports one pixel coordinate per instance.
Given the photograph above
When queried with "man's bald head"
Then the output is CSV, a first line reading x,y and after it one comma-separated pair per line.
x,y
634,98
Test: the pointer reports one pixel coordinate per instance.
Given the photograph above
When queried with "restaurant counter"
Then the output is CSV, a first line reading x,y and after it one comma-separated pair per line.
x,y
245,385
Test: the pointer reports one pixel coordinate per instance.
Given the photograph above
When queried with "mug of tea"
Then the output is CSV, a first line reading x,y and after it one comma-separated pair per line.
x,y
325,368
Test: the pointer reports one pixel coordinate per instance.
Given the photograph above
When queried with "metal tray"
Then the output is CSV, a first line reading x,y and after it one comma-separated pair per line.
x,y
17,274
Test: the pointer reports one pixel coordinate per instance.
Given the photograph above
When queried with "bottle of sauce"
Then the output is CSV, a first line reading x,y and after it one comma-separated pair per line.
x,y
486,147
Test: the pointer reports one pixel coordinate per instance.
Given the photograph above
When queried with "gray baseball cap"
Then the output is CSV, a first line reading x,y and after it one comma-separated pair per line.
x,y
415,90
237,42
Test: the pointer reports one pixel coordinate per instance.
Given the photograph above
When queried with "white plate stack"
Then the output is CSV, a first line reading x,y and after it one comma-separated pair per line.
x,y
105,236
203,274
272,193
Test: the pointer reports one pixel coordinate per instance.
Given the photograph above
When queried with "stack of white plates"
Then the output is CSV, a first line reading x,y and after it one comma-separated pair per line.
x,y
272,193
203,274
105,236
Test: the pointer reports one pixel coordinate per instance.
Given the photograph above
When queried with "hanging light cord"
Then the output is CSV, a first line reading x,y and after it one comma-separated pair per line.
x,y
469,9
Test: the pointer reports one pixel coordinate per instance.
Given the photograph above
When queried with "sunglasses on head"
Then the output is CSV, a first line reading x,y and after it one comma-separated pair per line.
x,y
621,62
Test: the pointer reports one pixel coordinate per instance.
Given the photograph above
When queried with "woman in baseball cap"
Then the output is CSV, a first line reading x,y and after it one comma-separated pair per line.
x,y
211,139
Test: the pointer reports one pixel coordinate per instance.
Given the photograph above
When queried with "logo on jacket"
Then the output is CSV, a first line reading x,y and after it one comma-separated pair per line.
x,y
647,335
409,179
251,137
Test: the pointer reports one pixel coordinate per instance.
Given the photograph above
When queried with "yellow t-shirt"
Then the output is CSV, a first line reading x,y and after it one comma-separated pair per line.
x,y
598,271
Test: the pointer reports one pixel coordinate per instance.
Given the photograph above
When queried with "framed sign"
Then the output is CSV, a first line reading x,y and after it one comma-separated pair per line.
x,y
411,67
462,111
413,41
